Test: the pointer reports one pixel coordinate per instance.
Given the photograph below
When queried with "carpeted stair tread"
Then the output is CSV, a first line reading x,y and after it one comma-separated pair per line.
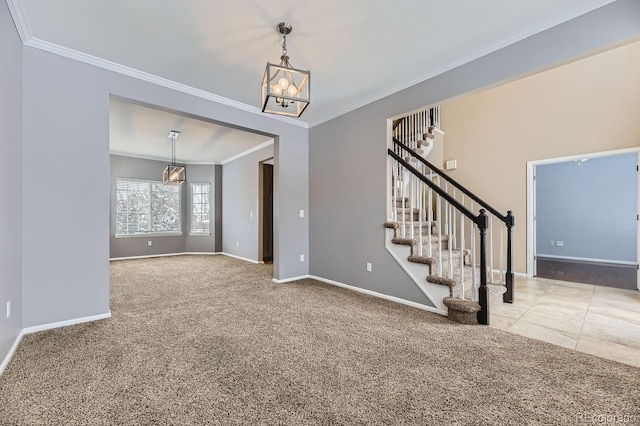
x,y
435,279
403,241
462,311
416,223
391,225
425,260
435,239
461,305
428,136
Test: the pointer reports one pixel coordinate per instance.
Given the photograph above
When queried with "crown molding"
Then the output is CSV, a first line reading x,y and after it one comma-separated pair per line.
x,y
161,159
160,81
247,152
529,31
194,163
17,13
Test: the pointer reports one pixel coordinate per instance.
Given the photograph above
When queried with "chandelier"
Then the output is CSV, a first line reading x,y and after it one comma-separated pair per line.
x,y
285,90
174,174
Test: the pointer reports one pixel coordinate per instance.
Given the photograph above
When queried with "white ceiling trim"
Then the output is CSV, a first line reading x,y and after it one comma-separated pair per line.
x,y
17,12
247,152
585,7
151,157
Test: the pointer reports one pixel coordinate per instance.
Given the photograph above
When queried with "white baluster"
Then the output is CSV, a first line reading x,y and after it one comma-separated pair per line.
x,y
474,278
462,251
439,220
450,218
430,221
420,213
453,224
411,204
404,210
490,265
394,190
502,271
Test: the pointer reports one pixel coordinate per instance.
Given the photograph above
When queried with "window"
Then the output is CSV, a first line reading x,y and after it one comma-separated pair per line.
x,y
200,209
144,208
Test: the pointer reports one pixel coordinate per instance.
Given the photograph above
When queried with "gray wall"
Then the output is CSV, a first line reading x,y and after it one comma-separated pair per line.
x,y
347,155
10,176
591,207
240,201
66,136
137,168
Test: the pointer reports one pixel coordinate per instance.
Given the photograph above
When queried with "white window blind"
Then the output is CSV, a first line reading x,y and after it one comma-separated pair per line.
x,y
147,207
200,209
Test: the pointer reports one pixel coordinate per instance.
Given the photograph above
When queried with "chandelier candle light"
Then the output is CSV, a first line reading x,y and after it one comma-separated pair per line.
x,y
285,90
174,174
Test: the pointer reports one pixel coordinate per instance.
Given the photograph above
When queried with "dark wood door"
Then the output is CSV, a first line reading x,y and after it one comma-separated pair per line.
x,y
267,216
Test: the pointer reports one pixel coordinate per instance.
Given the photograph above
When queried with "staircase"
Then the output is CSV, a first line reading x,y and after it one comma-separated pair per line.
x,y
455,246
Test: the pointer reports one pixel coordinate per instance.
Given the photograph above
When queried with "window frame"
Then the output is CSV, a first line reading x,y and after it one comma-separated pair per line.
x,y
192,185
150,233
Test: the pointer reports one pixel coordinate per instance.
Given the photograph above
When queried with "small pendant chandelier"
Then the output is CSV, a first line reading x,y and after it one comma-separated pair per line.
x,y
285,90
174,174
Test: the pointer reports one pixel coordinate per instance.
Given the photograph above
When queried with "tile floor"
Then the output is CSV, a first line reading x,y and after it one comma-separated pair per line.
x,y
602,321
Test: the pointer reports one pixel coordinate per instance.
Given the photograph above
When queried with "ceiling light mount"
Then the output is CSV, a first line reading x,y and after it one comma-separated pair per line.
x,y
174,174
285,89
284,28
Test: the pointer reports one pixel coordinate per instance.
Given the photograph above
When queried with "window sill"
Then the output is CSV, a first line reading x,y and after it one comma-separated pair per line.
x,y
152,234
199,234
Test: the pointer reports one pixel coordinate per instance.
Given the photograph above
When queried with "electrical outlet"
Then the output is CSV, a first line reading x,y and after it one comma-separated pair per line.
x,y
302,258
560,243
552,243
149,243
301,213
368,267
8,308
237,243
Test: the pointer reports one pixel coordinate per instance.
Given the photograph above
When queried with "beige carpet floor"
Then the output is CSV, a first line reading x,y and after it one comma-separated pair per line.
x,y
212,340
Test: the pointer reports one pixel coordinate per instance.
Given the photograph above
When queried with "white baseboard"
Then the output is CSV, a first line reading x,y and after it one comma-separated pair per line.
x,y
586,259
7,358
288,280
380,295
257,262
149,256
49,326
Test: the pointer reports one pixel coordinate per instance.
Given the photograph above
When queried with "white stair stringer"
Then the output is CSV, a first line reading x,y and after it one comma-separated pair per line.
x,y
417,272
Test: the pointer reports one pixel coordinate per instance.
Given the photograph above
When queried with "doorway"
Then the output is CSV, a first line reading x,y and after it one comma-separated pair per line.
x,y
266,210
583,219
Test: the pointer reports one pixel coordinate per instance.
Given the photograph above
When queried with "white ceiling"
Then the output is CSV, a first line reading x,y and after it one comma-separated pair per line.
x,y
141,131
357,50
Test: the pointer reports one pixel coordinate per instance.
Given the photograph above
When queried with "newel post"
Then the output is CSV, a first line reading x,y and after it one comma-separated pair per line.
x,y
507,297
483,294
